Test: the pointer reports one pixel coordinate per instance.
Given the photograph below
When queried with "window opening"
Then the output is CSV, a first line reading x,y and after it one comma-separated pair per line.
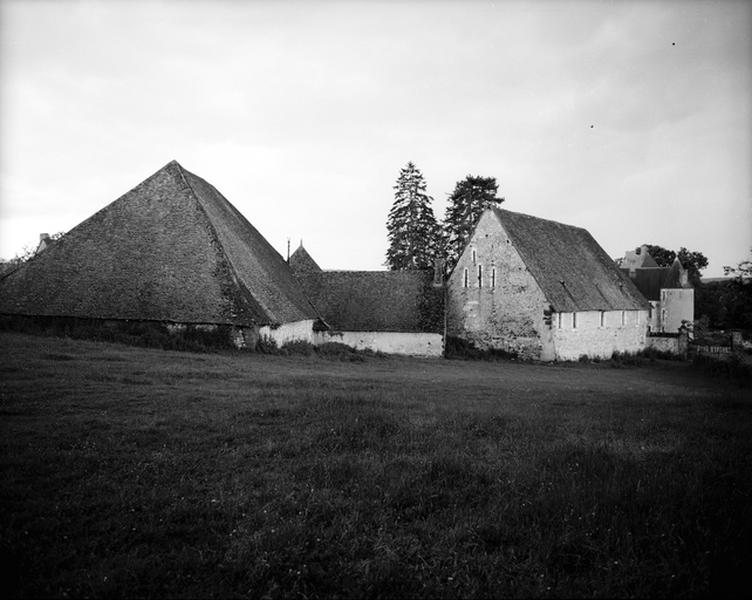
x,y
574,320
465,278
480,276
493,277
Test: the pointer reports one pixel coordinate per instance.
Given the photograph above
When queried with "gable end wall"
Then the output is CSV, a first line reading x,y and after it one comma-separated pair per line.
x,y
508,316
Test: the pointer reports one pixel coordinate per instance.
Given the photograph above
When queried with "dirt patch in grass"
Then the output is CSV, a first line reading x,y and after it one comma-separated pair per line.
x,y
158,473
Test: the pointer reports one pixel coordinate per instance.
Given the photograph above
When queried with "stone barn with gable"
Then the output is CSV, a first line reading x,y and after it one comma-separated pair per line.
x,y
174,251
542,290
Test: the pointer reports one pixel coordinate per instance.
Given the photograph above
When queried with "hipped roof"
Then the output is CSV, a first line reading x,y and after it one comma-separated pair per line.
x,y
572,270
171,249
651,280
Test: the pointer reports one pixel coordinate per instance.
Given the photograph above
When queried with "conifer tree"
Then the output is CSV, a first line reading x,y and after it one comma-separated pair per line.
x,y
414,235
470,198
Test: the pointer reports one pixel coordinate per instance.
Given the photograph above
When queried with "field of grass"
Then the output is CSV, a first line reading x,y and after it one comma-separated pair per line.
x,y
130,472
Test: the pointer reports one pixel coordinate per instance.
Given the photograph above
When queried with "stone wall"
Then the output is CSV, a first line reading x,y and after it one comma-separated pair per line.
x,y
677,306
676,343
598,334
391,342
289,332
505,310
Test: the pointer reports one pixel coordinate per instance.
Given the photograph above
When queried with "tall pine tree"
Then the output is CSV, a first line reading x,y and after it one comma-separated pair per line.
x,y
470,198
414,235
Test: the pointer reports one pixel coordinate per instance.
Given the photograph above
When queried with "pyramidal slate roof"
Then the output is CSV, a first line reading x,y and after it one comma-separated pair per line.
x,y
302,262
573,271
171,249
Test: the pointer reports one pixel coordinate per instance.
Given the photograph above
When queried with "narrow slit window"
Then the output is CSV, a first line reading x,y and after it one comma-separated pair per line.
x,y
474,256
465,278
480,276
558,318
574,320
603,318
623,317
493,277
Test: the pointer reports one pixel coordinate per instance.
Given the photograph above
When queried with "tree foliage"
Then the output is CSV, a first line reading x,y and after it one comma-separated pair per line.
x,y
26,254
470,198
413,233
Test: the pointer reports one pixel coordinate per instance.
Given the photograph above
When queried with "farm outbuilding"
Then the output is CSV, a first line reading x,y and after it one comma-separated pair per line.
x,y
397,312
172,250
543,290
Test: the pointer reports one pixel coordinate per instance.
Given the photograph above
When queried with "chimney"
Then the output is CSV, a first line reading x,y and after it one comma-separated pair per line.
x,y
44,236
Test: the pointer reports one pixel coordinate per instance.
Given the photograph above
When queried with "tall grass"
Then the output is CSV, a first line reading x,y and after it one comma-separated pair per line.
x,y
145,473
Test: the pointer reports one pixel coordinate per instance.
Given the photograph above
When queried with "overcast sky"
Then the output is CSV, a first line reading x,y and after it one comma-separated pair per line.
x,y
633,120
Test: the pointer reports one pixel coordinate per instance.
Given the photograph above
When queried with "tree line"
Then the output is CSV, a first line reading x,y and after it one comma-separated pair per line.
x,y
416,237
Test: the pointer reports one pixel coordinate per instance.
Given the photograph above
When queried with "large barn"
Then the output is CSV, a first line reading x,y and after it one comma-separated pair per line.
x,y
172,250
542,290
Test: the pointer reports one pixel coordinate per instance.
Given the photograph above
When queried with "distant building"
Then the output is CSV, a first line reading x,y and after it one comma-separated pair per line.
x,y
542,290
671,296
44,242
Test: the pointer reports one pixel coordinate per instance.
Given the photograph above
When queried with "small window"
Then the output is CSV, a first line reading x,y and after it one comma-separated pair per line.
x,y
574,320
650,312
480,276
623,317
559,320
465,278
493,277
474,256
603,318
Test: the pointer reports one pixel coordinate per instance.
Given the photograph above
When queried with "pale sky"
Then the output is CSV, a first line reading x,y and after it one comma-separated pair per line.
x,y
632,120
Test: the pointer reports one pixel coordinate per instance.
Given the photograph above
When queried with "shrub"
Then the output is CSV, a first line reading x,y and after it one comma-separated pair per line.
x,y
298,347
267,345
459,348
336,350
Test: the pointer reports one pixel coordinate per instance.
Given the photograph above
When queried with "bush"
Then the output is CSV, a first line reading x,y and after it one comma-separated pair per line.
x,y
336,350
297,347
267,345
149,334
459,348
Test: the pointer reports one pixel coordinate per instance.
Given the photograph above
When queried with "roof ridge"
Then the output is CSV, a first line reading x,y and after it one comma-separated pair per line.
x,y
215,236
521,214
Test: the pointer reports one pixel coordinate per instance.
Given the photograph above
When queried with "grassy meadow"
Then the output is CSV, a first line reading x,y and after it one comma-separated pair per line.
x,y
131,472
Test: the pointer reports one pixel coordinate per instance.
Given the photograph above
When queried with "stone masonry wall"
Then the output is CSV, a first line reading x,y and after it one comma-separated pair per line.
x,y
506,310
677,305
391,342
598,334
289,332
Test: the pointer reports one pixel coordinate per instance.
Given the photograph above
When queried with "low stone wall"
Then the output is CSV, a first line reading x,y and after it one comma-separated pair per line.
x,y
596,335
674,343
391,342
289,332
